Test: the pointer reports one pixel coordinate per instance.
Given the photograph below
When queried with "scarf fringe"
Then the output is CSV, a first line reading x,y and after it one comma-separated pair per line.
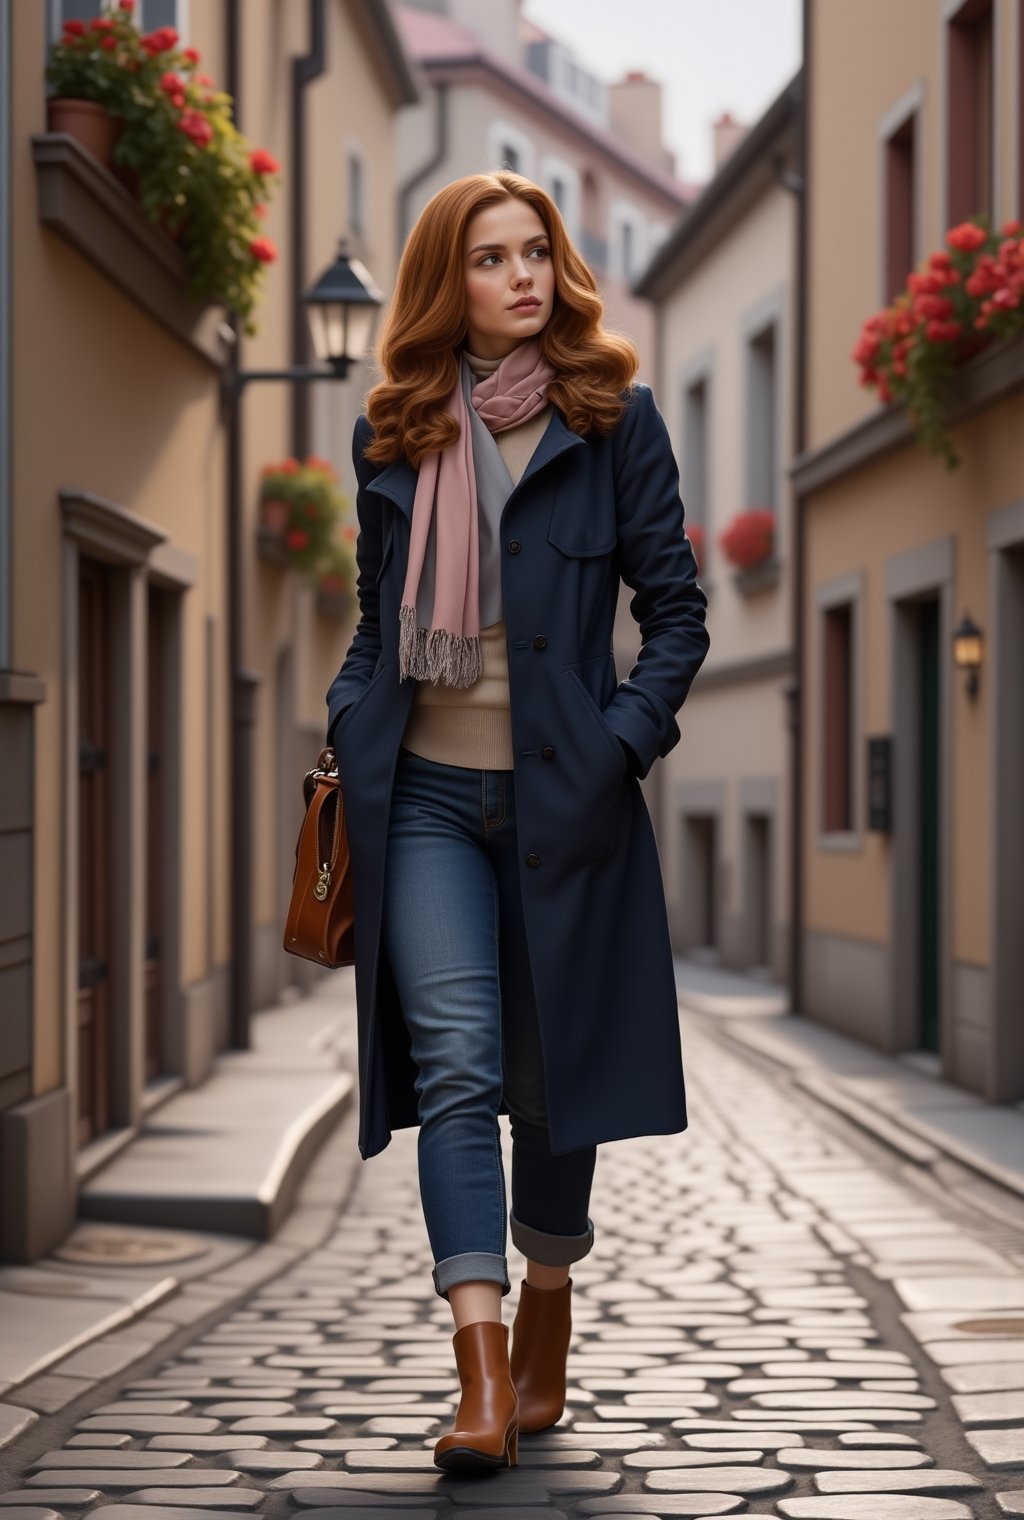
x,y
436,654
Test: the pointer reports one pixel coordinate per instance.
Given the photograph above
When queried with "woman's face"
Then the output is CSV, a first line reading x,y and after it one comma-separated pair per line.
x,y
506,257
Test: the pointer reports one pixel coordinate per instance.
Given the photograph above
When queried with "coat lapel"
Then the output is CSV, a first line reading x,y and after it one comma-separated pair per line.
x,y
397,480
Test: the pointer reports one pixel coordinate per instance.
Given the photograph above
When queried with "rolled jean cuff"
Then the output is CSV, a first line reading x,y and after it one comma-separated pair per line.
x,y
470,1266
550,1250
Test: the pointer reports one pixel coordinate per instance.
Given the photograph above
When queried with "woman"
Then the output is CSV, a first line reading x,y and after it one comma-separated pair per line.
x,y
512,949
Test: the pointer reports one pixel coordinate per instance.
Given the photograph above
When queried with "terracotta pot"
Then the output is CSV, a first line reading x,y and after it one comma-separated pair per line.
x,y
89,123
274,514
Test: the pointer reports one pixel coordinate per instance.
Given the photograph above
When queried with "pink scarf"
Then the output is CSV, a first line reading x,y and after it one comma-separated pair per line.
x,y
449,651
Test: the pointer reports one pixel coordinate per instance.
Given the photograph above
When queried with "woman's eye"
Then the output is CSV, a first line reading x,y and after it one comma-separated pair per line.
x,y
487,256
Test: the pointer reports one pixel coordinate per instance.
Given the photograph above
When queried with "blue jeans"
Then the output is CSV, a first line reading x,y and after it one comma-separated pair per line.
x,y
455,934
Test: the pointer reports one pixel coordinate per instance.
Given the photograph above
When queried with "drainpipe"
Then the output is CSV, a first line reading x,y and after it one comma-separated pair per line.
x,y
304,70
438,156
243,682
797,705
5,336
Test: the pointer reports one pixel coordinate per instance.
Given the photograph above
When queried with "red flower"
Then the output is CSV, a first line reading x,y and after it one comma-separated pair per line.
x,y
178,101
934,306
74,29
749,538
259,210
262,162
290,467
192,54
348,531
171,82
128,5
101,24
160,41
297,538
314,462
1011,228
968,237
263,249
203,79
942,332
108,44
195,125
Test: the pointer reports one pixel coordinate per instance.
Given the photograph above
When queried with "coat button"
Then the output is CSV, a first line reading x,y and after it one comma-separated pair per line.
x,y
539,641
514,546
548,752
533,859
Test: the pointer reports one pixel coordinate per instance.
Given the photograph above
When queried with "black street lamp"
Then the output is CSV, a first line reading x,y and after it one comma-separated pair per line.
x,y
967,648
342,308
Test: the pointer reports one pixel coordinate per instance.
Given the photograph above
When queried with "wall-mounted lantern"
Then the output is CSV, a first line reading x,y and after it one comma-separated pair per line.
x,y
967,651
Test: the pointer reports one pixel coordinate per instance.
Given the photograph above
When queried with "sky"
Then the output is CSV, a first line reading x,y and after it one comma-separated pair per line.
x,y
710,56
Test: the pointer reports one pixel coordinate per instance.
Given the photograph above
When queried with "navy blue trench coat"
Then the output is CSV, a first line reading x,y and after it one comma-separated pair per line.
x,y
587,510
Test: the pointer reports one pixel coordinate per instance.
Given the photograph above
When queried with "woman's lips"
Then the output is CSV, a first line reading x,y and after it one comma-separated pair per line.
x,y
525,306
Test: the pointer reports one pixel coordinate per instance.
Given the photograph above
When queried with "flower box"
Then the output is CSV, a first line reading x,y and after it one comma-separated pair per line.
x,y
961,300
753,579
749,539
169,136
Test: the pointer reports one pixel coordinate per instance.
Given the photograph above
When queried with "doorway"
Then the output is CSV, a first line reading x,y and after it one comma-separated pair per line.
x,y
928,825
758,891
702,882
95,915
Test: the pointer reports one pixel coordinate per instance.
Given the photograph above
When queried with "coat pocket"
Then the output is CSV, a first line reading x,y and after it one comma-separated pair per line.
x,y
614,752
357,702
582,526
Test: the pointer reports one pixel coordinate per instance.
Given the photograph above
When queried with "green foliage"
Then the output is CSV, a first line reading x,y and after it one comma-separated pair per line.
x,y
192,171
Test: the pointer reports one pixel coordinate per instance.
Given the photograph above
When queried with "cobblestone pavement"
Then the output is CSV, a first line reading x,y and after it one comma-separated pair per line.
x,y
748,1336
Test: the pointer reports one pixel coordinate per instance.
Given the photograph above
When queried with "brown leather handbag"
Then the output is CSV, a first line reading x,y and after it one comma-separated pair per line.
x,y
321,918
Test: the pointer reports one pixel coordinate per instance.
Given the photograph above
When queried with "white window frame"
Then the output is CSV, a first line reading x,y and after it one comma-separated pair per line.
x,y
503,134
553,167
354,153
55,9
626,213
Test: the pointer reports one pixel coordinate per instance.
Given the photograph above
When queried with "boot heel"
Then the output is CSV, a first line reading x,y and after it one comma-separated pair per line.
x,y
513,1449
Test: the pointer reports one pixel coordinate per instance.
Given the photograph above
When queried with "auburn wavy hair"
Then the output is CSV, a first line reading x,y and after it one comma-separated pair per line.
x,y
425,326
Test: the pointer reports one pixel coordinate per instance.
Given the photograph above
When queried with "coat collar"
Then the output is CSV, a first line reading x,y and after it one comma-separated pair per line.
x,y
397,480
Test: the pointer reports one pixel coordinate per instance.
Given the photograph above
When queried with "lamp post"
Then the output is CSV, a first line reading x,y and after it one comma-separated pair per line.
x,y
342,308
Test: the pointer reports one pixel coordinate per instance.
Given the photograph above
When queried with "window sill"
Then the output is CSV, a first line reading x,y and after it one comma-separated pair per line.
x,y
844,843
89,208
984,380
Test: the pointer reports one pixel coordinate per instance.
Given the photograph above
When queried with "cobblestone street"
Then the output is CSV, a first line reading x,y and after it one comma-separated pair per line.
x,y
748,1337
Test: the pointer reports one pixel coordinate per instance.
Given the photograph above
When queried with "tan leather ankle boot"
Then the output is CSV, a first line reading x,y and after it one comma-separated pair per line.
x,y
486,1422
540,1346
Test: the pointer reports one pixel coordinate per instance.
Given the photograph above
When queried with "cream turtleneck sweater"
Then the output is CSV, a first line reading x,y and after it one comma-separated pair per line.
x,y
472,725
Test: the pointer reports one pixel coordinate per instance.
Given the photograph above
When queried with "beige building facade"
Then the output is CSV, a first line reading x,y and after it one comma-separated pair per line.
x,y
723,303
910,838
116,683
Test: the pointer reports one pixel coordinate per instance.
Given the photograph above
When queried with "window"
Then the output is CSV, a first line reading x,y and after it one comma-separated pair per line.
x,y
356,192
900,169
837,793
695,450
628,252
149,14
969,111
762,419
509,157
558,193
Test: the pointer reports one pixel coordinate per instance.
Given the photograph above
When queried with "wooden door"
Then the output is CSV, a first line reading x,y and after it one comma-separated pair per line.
x,y
94,855
155,843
